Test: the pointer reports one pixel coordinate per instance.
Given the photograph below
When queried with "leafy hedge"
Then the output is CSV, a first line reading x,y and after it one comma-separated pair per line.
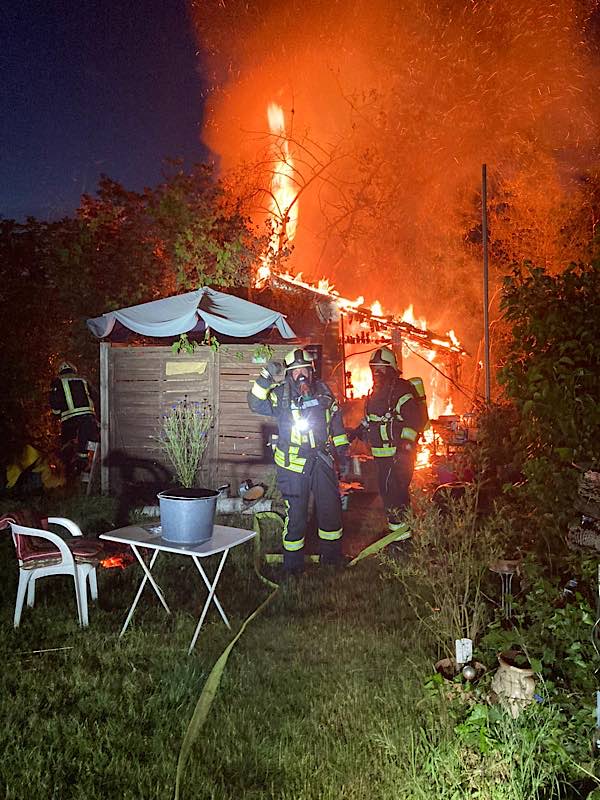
x,y
551,374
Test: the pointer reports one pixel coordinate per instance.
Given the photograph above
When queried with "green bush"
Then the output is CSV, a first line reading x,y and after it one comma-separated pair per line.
x,y
447,573
551,374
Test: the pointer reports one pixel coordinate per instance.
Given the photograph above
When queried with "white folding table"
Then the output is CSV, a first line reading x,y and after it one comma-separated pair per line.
x,y
149,538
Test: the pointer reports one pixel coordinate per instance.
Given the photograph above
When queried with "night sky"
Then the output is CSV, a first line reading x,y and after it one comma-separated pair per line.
x,y
92,87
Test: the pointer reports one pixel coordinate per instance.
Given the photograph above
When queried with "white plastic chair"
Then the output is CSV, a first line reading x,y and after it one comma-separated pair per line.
x,y
73,558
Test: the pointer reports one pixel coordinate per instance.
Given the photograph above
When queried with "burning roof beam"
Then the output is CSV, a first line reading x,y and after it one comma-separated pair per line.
x,y
436,342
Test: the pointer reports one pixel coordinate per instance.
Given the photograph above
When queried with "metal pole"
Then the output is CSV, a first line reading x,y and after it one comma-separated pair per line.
x,y
106,397
343,338
486,320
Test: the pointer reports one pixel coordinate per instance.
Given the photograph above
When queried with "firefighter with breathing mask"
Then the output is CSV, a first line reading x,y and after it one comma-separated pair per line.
x,y
310,429
71,400
395,416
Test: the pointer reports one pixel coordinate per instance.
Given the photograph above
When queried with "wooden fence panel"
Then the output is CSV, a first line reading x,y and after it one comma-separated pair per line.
x,y
144,382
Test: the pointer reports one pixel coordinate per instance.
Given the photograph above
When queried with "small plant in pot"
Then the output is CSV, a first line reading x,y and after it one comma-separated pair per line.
x,y
186,511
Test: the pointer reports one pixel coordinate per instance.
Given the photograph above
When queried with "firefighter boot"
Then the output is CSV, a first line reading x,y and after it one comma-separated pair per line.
x,y
331,555
293,563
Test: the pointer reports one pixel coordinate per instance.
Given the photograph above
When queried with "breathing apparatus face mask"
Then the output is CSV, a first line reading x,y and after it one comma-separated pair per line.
x,y
302,380
382,376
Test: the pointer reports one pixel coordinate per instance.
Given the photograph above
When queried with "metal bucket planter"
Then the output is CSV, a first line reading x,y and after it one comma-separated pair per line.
x,y
187,515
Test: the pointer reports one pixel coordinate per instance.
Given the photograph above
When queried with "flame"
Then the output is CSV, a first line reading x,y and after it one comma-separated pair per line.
x,y
325,286
449,410
347,305
121,561
361,380
409,316
423,457
283,205
377,309
263,273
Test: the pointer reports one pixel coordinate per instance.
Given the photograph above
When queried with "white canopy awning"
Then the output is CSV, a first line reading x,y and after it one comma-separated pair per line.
x,y
172,316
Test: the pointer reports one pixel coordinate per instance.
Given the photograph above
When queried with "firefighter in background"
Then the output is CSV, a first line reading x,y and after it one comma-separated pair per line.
x,y
71,401
395,416
310,427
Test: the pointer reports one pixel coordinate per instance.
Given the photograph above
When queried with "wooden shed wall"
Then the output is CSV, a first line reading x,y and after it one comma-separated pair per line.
x,y
139,384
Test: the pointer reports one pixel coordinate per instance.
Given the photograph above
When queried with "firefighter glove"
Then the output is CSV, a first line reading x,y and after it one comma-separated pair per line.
x,y
273,371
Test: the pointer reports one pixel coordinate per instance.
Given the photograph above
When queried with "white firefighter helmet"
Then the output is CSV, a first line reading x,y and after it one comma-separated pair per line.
x,y
383,357
296,359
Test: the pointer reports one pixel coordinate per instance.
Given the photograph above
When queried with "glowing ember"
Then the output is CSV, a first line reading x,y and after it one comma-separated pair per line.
x,y
121,561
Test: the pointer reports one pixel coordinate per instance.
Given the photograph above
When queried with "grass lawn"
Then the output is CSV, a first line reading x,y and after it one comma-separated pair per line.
x,y
323,697
318,699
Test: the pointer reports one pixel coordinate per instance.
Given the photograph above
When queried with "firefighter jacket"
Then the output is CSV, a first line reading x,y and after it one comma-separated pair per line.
x,y
70,397
308,426
393,418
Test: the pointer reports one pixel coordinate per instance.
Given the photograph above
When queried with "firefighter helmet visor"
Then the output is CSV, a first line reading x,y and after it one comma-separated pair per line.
x,y
296,359
66,367
383,357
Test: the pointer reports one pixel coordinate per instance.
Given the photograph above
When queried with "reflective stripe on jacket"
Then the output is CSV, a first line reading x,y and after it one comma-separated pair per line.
x,y
71,397
392,418
307,426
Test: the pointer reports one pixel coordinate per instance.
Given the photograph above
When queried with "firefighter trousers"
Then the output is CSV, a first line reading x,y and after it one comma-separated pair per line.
x,y
75,433
320,480
394,475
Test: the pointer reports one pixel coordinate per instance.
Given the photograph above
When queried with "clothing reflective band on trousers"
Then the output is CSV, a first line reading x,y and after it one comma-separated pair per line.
x,y
293,546
330,536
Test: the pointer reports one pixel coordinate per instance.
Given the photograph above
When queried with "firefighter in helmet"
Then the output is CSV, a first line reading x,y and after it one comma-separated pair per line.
x,y
395,415
310,430
71,400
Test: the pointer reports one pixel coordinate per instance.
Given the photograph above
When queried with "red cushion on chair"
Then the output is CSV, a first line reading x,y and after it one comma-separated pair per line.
x,y
32,548
28,546
43,550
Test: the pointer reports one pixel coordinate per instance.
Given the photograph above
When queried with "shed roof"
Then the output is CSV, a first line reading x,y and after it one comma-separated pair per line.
x,y
172,316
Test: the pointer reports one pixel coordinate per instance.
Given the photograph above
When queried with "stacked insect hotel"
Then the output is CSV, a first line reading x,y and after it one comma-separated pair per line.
x,y
585,533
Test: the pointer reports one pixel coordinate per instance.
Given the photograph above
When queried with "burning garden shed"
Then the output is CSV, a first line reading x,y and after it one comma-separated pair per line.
x,y
141,375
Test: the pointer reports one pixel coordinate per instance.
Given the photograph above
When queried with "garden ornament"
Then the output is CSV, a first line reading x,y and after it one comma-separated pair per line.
x,y
514,683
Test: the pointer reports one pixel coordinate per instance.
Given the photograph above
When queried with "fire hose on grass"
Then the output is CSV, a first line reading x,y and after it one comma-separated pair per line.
x,y
210,688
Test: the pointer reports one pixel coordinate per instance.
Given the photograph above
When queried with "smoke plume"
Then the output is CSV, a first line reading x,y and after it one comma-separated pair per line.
x,y
391,109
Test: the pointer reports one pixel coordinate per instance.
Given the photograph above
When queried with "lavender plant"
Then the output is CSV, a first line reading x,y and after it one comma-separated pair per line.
x,y
184,437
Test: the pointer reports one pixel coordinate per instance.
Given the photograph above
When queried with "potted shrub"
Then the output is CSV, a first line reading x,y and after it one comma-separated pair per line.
x,y
187,511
